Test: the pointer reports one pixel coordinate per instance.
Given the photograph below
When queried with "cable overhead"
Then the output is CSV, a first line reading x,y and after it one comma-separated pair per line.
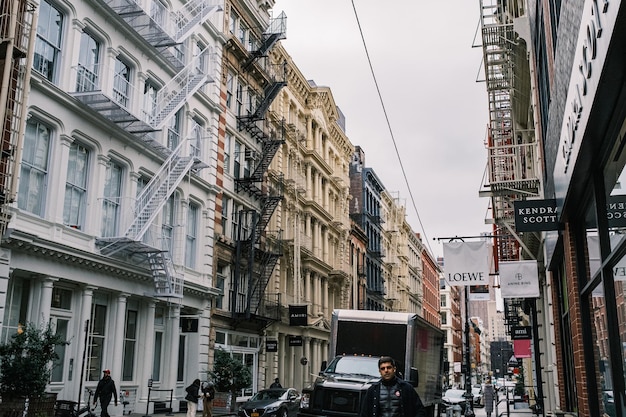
x,y
393,139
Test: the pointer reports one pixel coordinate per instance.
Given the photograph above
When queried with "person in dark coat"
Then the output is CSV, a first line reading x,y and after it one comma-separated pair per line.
x,y
104,392
391,396
193,393
208,394
489,395
276,384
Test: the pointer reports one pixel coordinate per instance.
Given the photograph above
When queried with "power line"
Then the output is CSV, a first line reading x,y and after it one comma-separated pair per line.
x,y
393,139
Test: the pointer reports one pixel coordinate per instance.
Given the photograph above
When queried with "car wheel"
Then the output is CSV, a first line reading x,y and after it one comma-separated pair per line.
x,y
282,413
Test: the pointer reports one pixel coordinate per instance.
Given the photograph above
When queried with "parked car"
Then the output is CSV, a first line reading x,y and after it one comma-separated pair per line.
x,y
477,393
454,397
273,402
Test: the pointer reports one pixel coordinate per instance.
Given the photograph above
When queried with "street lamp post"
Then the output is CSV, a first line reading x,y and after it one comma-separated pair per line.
x,y
469,409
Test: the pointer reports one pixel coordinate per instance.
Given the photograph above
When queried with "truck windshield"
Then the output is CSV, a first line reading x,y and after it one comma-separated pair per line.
x,y
354,365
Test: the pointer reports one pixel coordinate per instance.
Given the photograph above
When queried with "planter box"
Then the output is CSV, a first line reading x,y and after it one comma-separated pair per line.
x,y
23,407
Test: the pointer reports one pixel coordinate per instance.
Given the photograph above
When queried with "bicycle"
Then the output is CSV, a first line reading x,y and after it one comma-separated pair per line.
x,y
71,408
86,410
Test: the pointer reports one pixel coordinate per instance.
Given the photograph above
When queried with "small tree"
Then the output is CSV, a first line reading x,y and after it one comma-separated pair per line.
x,y
26,361
230,375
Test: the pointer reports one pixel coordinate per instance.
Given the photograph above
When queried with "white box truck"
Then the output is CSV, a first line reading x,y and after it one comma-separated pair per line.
x,y
358,338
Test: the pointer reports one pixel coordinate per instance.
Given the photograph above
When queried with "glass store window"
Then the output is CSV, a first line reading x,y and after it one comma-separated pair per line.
x,y
613,379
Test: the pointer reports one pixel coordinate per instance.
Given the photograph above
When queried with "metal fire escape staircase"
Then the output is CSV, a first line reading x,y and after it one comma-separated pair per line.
x,y
262,248
17,34
512,168
163,29
168,283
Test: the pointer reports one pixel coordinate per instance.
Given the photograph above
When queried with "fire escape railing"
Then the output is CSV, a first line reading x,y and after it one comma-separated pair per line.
x,y
17,35
261,250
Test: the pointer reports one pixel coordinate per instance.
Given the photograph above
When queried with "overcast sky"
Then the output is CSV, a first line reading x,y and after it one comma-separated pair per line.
x,y
427,70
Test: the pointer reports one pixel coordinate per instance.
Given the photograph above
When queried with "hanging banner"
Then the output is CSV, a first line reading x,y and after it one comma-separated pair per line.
x,y
521,333
479,293
521,348
466,263
519,279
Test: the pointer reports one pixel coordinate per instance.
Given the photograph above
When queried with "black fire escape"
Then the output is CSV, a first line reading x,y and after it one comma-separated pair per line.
x,y
257,249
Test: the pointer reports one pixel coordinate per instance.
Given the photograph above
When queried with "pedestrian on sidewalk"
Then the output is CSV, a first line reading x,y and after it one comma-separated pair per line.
x,y
193,393
208,393
489,395
105,391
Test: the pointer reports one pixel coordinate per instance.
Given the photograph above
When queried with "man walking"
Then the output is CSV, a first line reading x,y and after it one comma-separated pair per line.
x,y
105,391
391,396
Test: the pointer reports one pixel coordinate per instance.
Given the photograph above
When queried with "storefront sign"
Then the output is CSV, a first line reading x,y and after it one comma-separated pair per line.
x,y
521,333
271,345
298,315
295,340
535,215
597,24
616,210
188,325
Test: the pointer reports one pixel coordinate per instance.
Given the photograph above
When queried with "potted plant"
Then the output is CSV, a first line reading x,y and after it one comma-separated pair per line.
x,y
25,366
230,376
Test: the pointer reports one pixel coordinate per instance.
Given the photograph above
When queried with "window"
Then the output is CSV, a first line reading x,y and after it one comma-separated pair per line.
x,y
228,139
149,101
191,243
230,85
57,366
159,13
76,186
174,130
242,34
121,83
88,64
156,361
180,375
232,22
48,43
112,199
34,170
237,166
197,134
444,317
225,203
239,109
130,343
61,299
167,226
96,345
442,302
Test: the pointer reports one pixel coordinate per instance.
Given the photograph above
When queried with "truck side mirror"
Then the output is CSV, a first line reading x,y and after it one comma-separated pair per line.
x,y
323,367
414,378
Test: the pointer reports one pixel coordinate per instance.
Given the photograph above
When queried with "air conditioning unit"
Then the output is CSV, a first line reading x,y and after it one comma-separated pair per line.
x,y
251,154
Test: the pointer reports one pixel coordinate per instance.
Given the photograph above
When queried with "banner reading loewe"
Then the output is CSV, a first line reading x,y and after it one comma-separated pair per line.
x,y
466,263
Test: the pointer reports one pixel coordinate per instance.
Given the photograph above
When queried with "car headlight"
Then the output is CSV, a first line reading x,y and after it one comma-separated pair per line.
x,y
305,400
270,409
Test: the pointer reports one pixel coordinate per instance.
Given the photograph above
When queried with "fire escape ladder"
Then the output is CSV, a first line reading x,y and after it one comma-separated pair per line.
x,y
167,281
193,14
276,30
155,194
162,28
16,39
267,260
173,95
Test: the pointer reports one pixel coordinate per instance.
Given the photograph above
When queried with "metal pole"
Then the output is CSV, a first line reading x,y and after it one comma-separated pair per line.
x,y
469,409
82,365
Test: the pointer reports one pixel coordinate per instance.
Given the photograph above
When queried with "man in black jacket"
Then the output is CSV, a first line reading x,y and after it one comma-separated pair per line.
x,y
391,396
104,391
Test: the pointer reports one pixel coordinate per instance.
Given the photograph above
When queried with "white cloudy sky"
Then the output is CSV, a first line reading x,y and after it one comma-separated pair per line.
x,y
427,70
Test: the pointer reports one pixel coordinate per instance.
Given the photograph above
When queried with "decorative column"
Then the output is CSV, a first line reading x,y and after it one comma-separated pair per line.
x,y
118,335
173,336
146,345
45,300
